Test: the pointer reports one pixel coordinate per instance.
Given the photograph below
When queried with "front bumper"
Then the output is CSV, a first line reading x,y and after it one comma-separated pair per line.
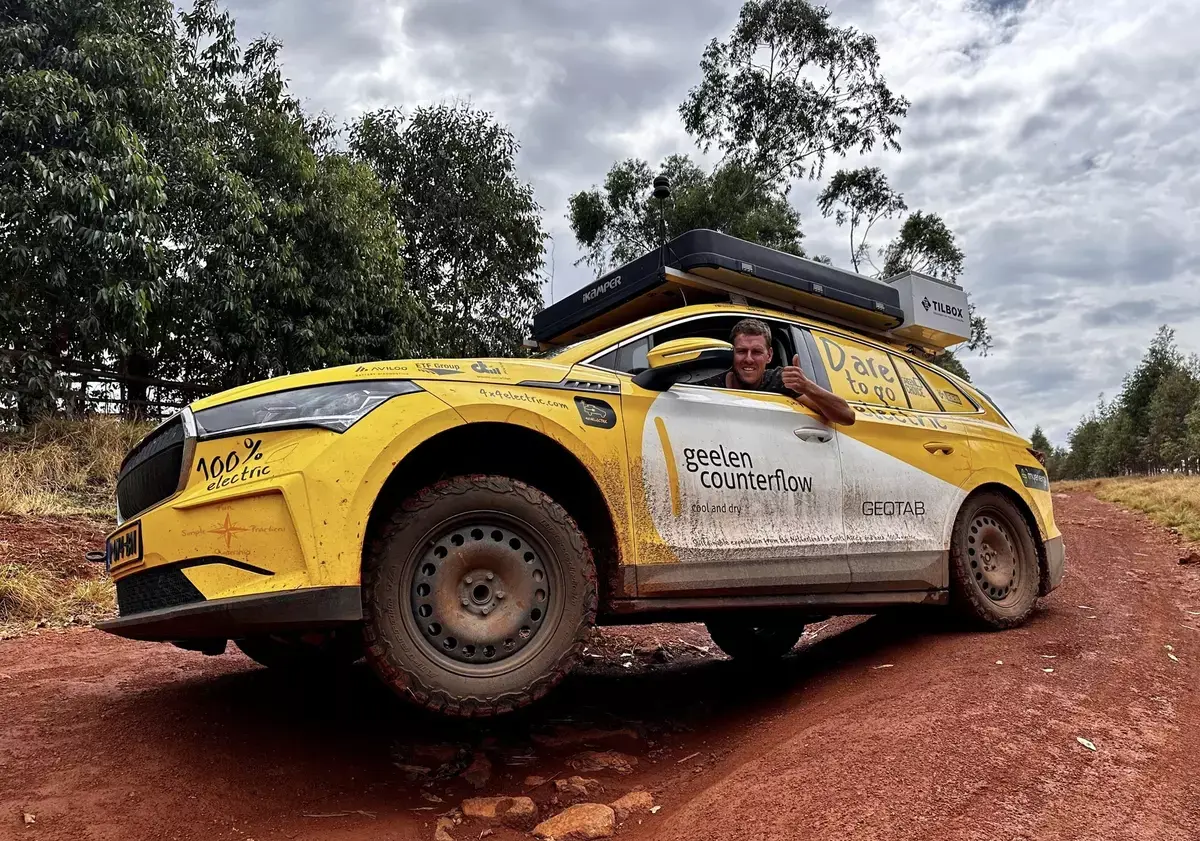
x,y
1056,560
301,610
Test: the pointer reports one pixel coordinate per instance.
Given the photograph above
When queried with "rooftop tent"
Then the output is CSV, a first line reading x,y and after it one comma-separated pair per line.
x,y
704,266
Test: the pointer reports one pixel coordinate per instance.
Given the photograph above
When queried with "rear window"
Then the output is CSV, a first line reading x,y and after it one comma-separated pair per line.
x,y
948,394
919,396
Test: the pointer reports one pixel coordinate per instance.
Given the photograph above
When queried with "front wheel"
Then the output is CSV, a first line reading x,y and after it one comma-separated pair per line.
x,y
755,642
478,594
993,563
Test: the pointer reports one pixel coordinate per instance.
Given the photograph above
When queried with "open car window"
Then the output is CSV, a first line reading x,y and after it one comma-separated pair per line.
x,y
631,356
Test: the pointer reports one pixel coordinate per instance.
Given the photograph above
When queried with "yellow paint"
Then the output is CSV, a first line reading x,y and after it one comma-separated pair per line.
x,y
300,509
672,470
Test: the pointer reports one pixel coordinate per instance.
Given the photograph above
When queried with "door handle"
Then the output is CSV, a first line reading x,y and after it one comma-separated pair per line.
x,y
939,449
821,436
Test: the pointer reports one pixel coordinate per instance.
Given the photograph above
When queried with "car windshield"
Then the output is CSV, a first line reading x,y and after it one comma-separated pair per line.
x,y
553,352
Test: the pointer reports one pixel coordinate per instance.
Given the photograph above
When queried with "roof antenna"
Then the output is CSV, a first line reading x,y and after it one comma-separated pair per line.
x,y
662,192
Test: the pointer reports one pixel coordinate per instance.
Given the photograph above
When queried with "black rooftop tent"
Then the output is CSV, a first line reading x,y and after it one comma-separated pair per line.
x,y
703,266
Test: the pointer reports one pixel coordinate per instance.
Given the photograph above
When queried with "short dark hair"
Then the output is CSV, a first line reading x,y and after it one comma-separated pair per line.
x,y
750,327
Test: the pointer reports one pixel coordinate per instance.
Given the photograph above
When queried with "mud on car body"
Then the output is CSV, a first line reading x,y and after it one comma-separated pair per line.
x,y
465,522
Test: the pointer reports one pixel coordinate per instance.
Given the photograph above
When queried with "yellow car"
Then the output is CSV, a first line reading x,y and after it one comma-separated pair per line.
x,y
466,522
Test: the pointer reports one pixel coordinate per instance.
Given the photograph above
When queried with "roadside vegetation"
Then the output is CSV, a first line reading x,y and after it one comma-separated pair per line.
x,y
56,502
1152,425
64,468
1169,500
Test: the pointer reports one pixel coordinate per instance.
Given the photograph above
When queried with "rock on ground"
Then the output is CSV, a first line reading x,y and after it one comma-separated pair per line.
x,y
604,760
479,771
633,803
577,788
582,822
442,832
517,812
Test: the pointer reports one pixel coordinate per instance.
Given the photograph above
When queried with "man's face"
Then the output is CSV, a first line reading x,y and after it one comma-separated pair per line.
x,y
750,358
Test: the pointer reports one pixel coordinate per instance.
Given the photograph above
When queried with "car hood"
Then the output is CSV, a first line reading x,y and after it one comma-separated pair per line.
x,y
495,370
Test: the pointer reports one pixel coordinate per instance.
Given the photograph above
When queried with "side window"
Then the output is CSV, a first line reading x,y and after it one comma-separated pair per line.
x,y
630,358
859,372
919,396
947,393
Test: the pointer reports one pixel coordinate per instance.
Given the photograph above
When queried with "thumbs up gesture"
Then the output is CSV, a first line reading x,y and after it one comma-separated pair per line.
x,y
794,379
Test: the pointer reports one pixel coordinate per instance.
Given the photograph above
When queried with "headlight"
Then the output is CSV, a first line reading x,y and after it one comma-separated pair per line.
x,y
336,407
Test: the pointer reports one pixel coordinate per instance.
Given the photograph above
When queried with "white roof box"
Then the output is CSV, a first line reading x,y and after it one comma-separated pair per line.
x,y
935,311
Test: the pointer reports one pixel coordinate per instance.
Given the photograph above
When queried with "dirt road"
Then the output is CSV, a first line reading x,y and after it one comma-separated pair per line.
x,y
873,728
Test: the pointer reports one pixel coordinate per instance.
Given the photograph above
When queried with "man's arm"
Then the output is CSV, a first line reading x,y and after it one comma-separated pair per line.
x,y
825,403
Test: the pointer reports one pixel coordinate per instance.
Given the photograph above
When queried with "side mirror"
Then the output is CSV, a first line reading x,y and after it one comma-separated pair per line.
x,y
671,361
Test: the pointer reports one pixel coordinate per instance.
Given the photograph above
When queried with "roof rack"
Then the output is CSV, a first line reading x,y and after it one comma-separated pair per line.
x,y
703,266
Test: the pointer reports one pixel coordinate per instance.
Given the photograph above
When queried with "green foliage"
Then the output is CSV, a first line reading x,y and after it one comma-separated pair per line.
x,y
80,194
169,209
620,221
473,236
860,198
787,88
1153,426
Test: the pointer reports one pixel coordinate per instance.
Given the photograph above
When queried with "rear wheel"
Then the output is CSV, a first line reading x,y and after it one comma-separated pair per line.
x,y
478,594
751,641
993,563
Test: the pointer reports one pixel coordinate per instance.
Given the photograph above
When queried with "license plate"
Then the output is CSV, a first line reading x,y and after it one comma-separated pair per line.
x,y
123,546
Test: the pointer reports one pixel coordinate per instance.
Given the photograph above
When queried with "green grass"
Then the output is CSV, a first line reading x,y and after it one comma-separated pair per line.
x,y
1168,500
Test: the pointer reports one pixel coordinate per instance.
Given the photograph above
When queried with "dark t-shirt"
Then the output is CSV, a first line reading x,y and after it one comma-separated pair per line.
x,y
772,381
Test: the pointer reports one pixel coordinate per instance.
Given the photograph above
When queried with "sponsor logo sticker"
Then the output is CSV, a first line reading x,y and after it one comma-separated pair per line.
x,y
1034,477
596,413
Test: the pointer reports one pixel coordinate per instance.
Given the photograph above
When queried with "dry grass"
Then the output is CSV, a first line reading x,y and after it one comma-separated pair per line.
x,y
1169,500
65,468
31,598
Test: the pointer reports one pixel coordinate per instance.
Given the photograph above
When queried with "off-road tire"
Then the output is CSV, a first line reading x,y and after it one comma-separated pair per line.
x,y
284,653
972,596
400,650
750,642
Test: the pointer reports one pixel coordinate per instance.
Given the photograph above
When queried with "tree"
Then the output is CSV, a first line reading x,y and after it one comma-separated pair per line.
x,y
786,89
620,221
1165,444
1039,441
80,235
473,237
860,198
170,210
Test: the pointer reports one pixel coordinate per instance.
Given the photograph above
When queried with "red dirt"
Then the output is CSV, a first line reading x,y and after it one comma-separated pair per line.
x,y
109,739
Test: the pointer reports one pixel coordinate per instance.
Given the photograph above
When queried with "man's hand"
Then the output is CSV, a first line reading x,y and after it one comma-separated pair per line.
x,y
828,405
793,377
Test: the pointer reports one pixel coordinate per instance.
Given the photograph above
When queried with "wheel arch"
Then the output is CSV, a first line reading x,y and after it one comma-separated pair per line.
x,y
520,453
1031,521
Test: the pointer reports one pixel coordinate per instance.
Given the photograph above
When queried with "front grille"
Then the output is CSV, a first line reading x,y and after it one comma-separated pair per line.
x,y
150,473
155,588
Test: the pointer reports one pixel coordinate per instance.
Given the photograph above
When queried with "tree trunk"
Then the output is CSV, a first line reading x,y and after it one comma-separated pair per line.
x,y
137,365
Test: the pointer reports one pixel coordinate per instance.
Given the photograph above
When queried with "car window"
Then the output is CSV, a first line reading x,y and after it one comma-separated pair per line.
x,y
919,396
859,372
630,358
948,394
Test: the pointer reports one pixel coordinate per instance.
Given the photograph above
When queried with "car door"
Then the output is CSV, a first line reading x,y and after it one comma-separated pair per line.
x,y
904,463
733,492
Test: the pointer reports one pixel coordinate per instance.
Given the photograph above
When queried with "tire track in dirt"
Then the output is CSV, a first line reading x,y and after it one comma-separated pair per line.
x,y
109,739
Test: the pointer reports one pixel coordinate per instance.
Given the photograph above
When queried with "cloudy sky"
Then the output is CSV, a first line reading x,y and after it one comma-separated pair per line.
x,y
1058,138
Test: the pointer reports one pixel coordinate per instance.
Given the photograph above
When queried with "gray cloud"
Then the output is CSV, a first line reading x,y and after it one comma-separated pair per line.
x,y
1057,140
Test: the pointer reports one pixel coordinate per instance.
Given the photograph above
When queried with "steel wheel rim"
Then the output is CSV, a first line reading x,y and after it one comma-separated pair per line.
x,y
507,619
995,557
